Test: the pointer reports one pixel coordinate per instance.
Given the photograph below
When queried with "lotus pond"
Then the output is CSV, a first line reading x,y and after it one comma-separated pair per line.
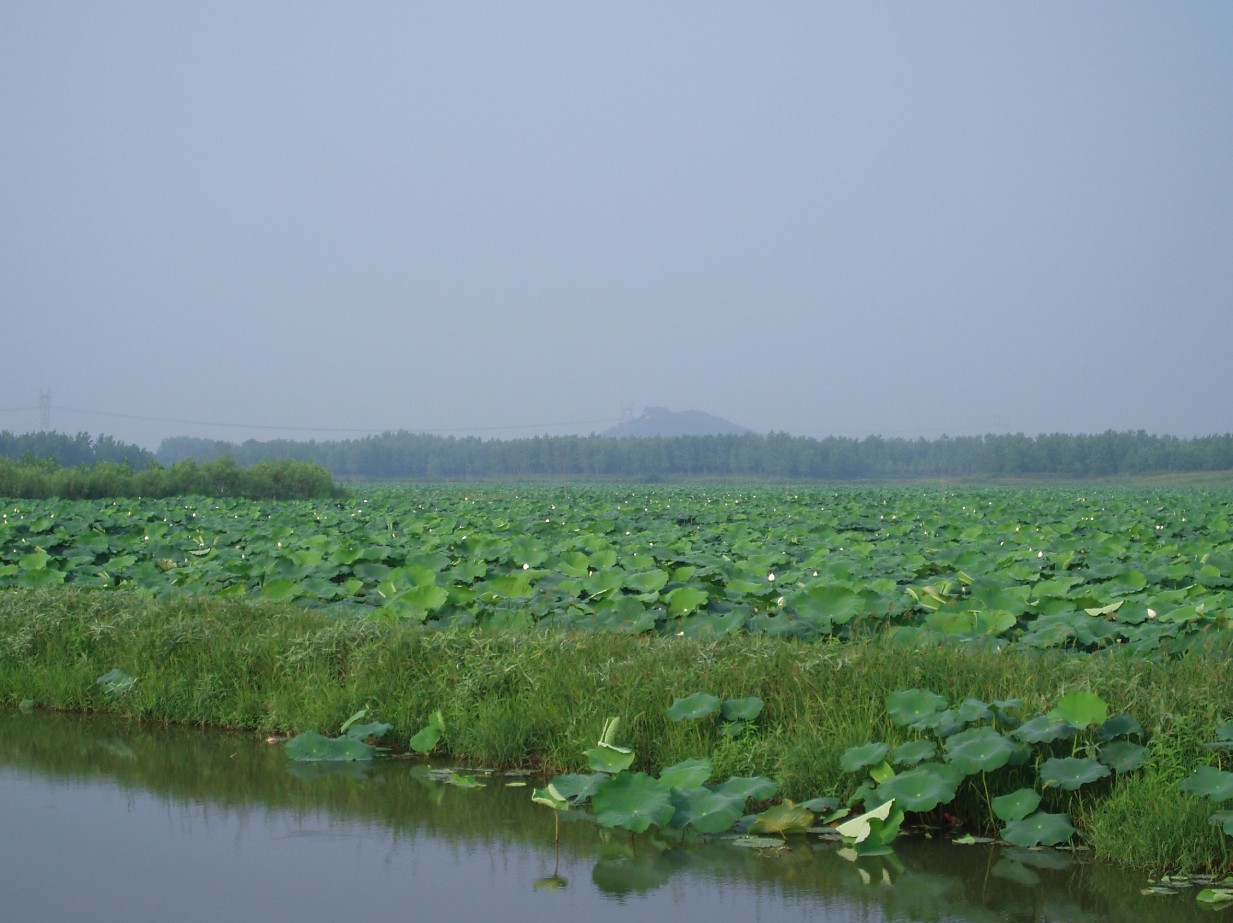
x,y
1147,570
165,823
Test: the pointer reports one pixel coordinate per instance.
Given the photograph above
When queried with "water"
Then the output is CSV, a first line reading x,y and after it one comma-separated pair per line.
x,y
108,821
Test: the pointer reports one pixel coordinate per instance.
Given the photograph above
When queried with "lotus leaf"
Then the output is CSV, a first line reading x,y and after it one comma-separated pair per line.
x,y
607,758
311,746
1071,772
1081,710
1043,730
1039,829
858,829
1209,782
1119,726
372,729
855,759
913,752
821,805
693,707
758,788
710,811
687,774
685,599
979,750
574,788
745,709
1214,896
115,682
783,819
921,789
1123,756
1223,820
633,800
914,707
1017,805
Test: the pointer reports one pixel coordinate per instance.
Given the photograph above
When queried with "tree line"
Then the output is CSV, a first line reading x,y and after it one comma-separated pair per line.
x,y
402,454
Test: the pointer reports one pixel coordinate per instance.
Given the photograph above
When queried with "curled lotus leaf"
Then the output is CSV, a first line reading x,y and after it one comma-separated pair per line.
x,y
920,789
855,759
914,707
979,750
1017,805
694,707
1039,829
1072,772
1209,782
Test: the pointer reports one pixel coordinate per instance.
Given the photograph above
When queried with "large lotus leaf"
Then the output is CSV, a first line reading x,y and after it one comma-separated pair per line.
x,y
783,819
913,752
1017,805
920,789
1071,772
828,604
1040,829
855,759
311,746
693,707
1123,756
574,788
1209,782
979,750
634,801
687,774
745,709
914,707
1119,726
758,788
709,811
1081,709
372,729
1043,730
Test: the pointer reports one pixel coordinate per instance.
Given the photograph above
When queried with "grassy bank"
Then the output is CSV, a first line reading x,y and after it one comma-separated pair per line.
x,y
539,697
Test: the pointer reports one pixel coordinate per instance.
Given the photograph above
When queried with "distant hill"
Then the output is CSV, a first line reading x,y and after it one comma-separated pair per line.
x,y
659,421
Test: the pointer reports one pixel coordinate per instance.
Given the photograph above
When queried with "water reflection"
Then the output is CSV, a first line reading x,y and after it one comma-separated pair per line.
x,y
114,821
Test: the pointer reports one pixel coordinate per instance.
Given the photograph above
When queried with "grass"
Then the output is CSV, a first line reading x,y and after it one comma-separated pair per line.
x,y
537,698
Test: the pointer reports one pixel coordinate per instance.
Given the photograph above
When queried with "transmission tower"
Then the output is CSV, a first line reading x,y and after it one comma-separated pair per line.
x,y
45,410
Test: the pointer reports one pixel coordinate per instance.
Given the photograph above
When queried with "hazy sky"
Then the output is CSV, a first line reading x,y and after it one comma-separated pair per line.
x,y
318,220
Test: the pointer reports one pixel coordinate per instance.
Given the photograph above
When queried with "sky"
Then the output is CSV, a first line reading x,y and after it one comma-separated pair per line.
x,y
309,220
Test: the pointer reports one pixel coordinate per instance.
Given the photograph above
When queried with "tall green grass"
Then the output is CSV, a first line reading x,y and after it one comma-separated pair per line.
x,y
537,698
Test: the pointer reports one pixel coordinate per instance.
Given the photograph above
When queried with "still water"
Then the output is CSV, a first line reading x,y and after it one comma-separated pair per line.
x,y
108,821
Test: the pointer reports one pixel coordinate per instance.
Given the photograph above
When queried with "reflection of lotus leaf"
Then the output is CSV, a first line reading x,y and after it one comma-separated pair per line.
x,y
857,758
913,752
1071,772
633,801
1209,782
1041,829
914,707
636,874
1081,709
693,707
1123,756
921,789
979,750
1043,730
1016,805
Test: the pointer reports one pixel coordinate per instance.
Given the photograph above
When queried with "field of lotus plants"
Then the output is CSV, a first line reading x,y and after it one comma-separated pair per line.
x,y
1145,570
